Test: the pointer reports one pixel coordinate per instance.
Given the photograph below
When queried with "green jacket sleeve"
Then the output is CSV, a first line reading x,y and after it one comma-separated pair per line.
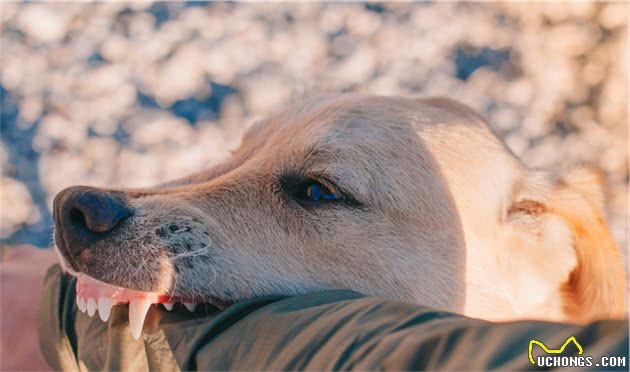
x,y
335,330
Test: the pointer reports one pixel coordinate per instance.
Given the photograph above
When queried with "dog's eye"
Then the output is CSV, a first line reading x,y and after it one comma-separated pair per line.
x,y
316,192
310,190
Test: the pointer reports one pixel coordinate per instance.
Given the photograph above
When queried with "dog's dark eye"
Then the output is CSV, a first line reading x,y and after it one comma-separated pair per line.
x,y
316,192
310,190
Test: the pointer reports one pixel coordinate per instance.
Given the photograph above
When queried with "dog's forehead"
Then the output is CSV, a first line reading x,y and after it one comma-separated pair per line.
x,y
345,122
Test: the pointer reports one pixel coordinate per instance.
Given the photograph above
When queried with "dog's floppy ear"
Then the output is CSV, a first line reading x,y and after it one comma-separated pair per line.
x,y
596,288
569,266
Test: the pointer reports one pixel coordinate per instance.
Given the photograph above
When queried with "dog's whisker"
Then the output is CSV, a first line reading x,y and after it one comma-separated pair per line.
x,y
214,274
189,254
138,270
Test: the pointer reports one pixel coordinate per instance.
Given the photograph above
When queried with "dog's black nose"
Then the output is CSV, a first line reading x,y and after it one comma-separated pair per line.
x,y
84,215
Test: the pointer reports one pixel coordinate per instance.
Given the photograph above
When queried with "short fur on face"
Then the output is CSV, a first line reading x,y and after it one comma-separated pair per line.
x,y
433,209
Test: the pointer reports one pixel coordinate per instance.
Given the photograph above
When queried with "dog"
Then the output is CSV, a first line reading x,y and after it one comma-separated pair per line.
x,y
405,198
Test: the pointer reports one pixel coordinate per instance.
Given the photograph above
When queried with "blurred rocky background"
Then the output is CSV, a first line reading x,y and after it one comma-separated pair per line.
x,y
133,94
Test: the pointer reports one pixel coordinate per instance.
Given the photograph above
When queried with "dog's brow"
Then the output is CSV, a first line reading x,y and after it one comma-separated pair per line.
x,y
318,161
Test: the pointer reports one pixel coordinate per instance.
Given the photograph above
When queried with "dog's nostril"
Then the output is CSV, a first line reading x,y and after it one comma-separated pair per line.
x,y
98,211
77,218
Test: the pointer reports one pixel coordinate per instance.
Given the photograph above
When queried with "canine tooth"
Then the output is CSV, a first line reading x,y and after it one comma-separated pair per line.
x,y
168,305
190,306
105,308
91,306
137,312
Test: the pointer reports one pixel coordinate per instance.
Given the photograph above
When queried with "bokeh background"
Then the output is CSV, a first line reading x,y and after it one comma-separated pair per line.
x,y
134,94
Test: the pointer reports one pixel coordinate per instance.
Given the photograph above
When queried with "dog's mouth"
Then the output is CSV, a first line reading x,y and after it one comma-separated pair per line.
x,y
96,296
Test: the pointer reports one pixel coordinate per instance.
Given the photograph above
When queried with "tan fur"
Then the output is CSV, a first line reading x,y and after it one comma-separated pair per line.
x,y
598,279
443,215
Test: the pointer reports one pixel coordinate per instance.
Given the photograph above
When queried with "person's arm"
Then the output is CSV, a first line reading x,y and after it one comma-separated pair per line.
x,y
335,330
21,274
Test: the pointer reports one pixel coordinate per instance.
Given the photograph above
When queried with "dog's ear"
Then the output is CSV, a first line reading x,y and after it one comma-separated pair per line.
x,y
569,266
537,258
596,288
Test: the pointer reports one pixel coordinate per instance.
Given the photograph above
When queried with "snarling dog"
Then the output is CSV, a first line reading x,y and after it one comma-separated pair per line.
x,y
409,199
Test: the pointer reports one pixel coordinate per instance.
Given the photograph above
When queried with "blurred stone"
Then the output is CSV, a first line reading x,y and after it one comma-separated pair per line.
x,y
17,206
42,23
356,69
62,168
332,19
612,108
615,158
558,12
582,114
7,11
56,131
545,154
572,39
614,15
593,73
31,108
154,128
505,118
115,48
264,94
517,143
181,76
104,127
101,80
363,22
520,92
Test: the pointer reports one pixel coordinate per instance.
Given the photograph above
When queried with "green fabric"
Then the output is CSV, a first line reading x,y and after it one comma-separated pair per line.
x,y
336,330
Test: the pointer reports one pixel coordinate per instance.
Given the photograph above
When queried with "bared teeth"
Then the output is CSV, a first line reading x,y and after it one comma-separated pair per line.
x,y
93,295
105,308
137,312
91,306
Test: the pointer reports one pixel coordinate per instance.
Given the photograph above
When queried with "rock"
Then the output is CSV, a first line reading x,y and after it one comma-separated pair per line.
x,y
43,23
614,15
17,206
277,91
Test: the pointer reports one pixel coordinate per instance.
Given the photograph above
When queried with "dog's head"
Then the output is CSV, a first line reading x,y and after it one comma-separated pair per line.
x,y
337,192
386,196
